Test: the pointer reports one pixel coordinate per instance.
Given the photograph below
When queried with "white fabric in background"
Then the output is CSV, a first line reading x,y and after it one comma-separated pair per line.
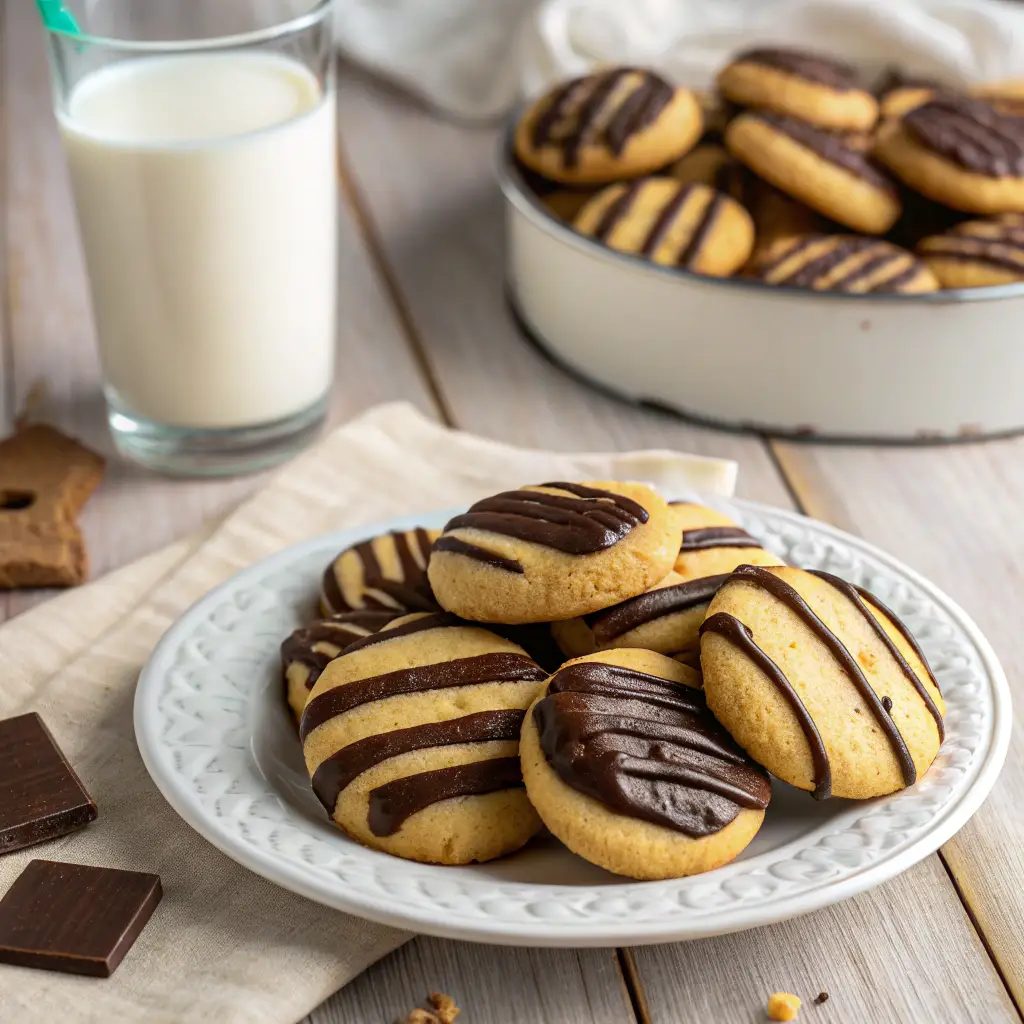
x,y
474,58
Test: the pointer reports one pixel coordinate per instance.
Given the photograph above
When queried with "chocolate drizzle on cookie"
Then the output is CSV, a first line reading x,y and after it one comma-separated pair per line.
x,y
739,635
598,111
812,261
859,598
395,801
647,748
971,133
499,667
812,67
319,643
829,146
343,767
694,205
611,623
996,243
788,596
373,589
455,546
579,522
708,537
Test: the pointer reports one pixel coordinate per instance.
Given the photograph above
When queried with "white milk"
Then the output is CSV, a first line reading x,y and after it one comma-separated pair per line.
x,y
206,191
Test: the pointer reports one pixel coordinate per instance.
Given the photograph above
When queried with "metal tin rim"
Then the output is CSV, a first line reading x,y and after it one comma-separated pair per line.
x,y
515,190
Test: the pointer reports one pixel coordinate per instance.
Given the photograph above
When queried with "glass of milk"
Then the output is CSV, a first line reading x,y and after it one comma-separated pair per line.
x,y
201,143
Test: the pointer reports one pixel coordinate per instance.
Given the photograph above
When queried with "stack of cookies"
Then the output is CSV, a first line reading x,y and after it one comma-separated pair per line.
x,y
794,172
627,672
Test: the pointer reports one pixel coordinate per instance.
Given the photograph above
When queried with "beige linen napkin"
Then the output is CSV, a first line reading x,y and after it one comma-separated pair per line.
x,y
225,945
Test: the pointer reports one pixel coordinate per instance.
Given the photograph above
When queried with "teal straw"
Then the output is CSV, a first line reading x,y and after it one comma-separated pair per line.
x,y
56,18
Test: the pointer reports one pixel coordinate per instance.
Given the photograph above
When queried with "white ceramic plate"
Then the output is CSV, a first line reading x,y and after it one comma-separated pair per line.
x,y
218,740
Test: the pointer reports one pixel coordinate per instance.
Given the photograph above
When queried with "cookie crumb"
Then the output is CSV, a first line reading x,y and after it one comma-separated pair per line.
x,y
783,1006
821,997
442,1011
887,704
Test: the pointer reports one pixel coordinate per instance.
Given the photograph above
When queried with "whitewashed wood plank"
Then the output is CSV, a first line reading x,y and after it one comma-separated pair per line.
x,y
877,956
490,985
429,192
52,340
953,513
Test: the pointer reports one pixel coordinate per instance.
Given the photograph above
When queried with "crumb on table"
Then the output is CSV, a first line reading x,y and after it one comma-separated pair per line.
x,y
783,1006
442,1011
821,997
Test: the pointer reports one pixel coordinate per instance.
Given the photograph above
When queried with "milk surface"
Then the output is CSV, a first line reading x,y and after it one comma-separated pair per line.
x,y
205,189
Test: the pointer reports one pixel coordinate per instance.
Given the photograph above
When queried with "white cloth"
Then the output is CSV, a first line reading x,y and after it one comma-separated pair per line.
x,y
474,58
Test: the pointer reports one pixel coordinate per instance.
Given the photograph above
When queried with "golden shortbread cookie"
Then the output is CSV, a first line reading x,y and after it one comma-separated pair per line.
x,y
843,263
553,551
411,738
819,682
383,573
712,543
816,89
977,253
671,223
613,124
817,167
626,766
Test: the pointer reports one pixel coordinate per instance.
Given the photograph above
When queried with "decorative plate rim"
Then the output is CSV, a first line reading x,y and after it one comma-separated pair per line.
x,y
821,867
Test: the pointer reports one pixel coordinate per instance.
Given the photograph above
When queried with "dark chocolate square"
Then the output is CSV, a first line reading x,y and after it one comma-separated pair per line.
x,y
41,797
74,918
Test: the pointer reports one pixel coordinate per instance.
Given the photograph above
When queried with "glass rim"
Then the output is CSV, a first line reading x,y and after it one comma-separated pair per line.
x,y
254,36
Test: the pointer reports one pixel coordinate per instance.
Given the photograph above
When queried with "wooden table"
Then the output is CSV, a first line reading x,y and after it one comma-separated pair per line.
x,y
423,319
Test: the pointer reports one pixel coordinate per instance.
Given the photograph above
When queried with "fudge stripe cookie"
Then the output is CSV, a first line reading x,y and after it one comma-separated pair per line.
x,y
671,222
618,123
310,649
817,167
830,666
664,619
977,253
412,740
552,551
961,152
844,263
712,543
628,768
803,85
385,572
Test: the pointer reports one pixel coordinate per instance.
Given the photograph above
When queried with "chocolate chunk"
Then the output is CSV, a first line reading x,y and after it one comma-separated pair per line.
x,y
41,797
73,918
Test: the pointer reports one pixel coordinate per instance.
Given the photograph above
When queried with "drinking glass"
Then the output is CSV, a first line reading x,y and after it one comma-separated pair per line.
x,y
201,143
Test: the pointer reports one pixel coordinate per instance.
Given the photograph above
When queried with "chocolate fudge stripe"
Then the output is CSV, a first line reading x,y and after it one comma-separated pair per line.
x,y
736,633
617,209
971,133
473,671
613,622
589,115
893,284
639,110
394,802
811,66
645,747
828,146
701,232
460,547
561,101
343,767
330,593
852,595
971,248
302,646
433,620
717,537
785,594
870,267
900,625
590,521
664,219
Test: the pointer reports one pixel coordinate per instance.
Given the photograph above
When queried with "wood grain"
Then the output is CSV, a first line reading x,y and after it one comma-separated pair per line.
x,y
953,513
491,986
434,216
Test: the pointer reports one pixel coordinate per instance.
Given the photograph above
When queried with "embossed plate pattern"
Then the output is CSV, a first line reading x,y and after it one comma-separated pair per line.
x,y
217,739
